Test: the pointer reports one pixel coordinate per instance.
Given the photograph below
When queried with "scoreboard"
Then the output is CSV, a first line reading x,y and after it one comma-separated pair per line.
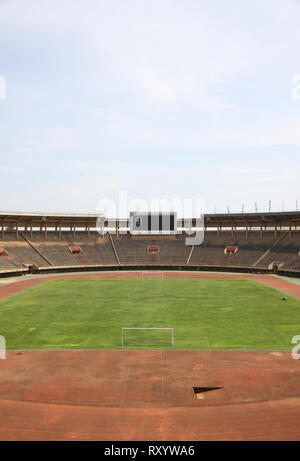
x,y
153,222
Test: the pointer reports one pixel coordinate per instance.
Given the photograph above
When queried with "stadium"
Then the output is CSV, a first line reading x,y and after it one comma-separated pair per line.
x,y
117,334
149,224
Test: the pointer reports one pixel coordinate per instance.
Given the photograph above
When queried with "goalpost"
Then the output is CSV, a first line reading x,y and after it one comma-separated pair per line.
x,y
128,328
161,275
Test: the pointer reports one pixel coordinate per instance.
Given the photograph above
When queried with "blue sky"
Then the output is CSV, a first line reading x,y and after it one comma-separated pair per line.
x,y
163,99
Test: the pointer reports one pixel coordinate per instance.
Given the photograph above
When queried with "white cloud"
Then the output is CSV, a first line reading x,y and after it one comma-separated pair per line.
x,y
277,179
145,79
162,88
9,169
281,132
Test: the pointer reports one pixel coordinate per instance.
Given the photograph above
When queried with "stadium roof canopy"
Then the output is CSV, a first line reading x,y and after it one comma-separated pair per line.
x,y
289,218
50,219
15,219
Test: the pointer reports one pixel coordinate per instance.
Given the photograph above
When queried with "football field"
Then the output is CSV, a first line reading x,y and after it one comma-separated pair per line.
x,y
204,315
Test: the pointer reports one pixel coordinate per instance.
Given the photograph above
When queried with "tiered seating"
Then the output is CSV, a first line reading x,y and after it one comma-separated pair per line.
x,y
95,249
98,250
54,249
286,252
19,252
249,250
5,264
131,250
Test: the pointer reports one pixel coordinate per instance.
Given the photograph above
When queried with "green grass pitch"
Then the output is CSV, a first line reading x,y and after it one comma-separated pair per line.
x,y
205,314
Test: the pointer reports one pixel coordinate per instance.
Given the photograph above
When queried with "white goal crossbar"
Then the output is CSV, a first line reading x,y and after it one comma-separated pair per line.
x,y
145,278
125,328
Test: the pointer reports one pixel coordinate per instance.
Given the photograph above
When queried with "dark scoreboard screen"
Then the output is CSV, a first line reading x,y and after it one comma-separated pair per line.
x,y
153,222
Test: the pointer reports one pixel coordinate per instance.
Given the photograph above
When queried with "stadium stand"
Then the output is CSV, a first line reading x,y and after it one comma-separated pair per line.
x,y
250,249
172,249
259,247
95,249
126,249
19,253
286,252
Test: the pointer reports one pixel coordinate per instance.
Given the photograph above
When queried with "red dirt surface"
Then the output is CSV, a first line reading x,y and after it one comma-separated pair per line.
x,y
148,395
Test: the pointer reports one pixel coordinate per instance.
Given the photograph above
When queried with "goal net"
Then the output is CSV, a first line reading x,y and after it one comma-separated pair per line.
x,y
139,338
